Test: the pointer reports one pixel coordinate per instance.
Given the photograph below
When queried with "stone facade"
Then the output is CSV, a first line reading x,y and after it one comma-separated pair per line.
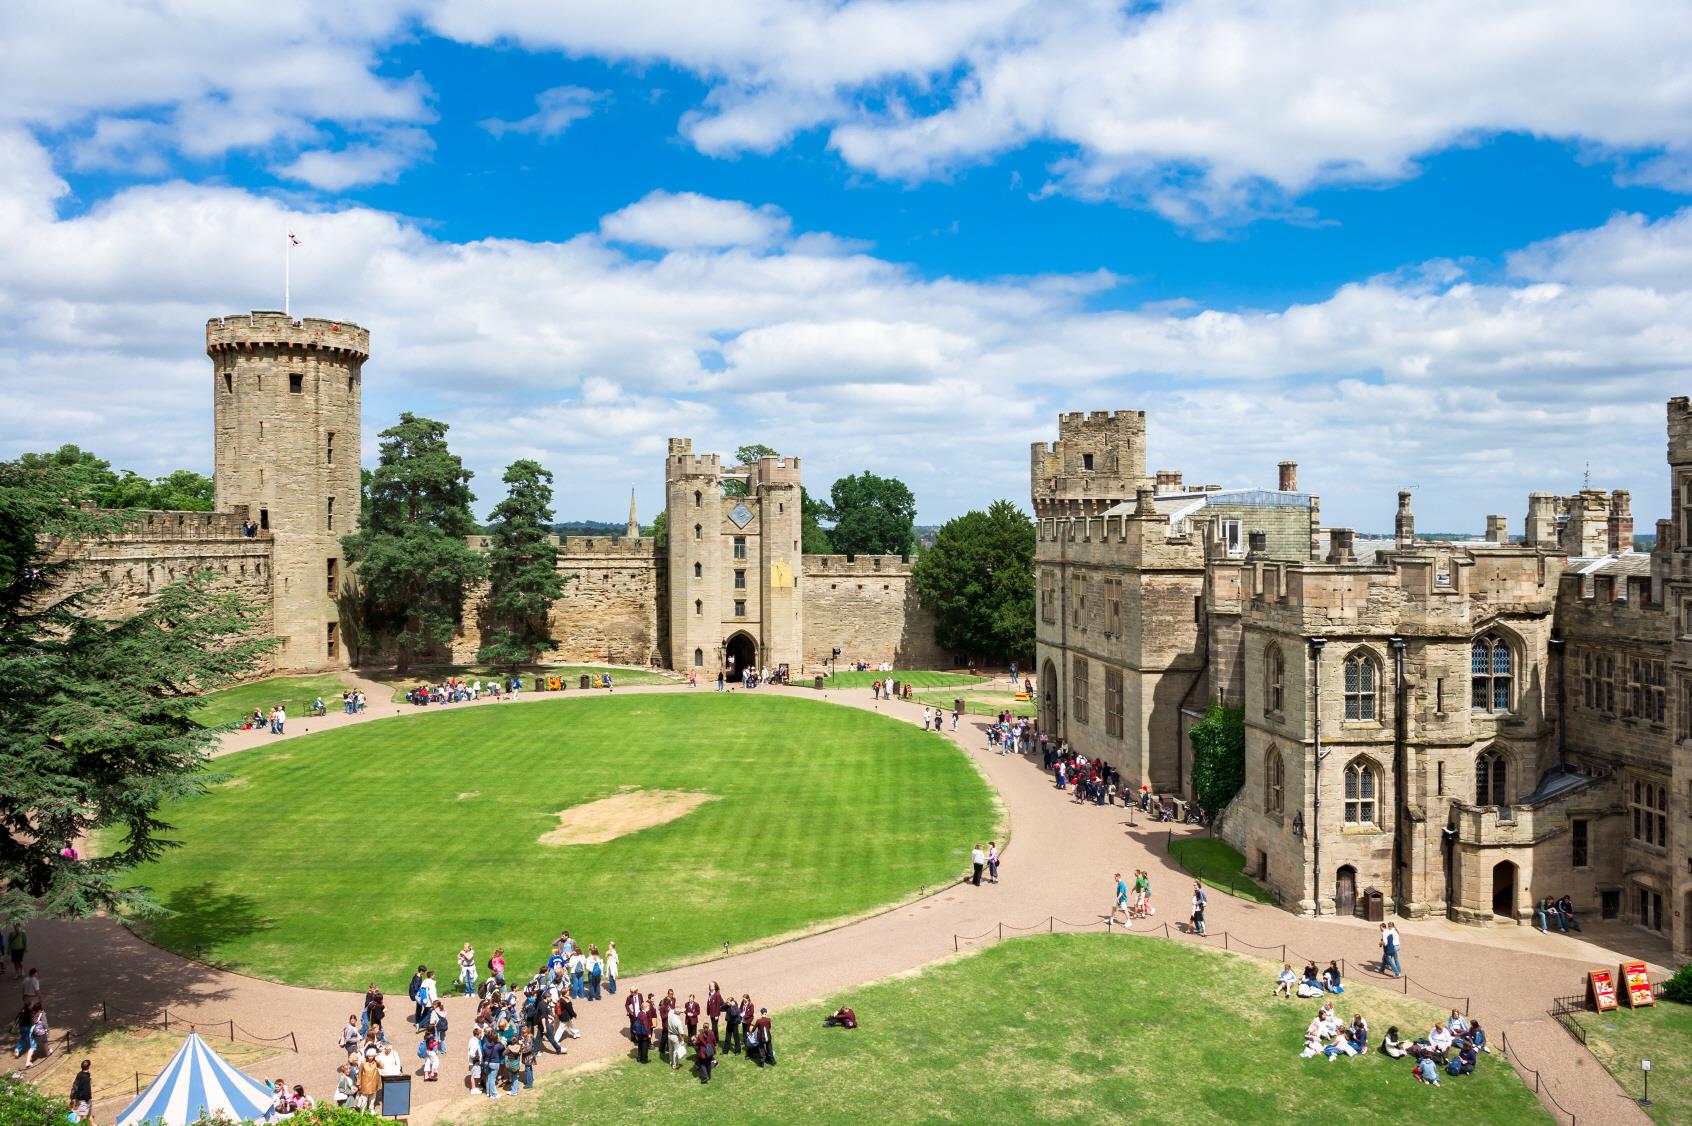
x,y
1461,728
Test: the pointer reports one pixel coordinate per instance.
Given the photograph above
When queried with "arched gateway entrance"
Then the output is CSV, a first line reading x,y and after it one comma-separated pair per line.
x,y
1046,708
742,654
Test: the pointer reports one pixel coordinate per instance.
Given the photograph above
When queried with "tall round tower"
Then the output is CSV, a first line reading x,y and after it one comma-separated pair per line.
x,y
286,410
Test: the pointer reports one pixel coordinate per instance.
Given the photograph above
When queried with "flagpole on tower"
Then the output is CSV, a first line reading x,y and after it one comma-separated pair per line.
x,y
287,273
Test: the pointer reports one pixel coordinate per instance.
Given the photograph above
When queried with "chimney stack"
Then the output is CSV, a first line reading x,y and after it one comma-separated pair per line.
x,y
1289,476
1498,529
1404,524
1339,546
1143,505
1168,480
1541,528
1621,521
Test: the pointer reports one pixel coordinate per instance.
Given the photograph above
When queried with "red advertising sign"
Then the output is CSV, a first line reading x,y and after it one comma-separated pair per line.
x,y
1602,989
1638,985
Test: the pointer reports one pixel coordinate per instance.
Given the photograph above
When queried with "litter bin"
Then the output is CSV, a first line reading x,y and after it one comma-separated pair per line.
x,y
817,684
957,706
587,681
1374,905
895,689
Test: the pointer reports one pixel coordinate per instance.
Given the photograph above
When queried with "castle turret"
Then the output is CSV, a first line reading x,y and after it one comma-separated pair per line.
x,y
286,397
1099,460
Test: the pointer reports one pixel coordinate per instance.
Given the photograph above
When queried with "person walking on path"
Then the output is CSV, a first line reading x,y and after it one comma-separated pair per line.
x,y
979,859
1199,900
1391,947
82,1094
415,992
17,941
612,968
467,969
993,861
1120,904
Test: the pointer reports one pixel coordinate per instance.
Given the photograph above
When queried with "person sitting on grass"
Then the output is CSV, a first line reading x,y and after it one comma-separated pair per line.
x,y
1331,979
1284,984
1358,1034
1312,1039
1425,1072
1310,985
1463,1063
1392,1046
1458,1024
1477,1036
842,1018
1440,1039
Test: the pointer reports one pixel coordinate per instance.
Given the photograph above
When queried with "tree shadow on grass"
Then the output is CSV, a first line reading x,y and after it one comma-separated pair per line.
x,y
204,920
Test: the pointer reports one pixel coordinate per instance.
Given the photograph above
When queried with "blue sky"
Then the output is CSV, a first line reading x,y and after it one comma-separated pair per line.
x,y
1405,245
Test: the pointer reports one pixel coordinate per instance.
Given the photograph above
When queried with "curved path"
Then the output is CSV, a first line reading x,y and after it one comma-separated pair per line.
x,y
1058,864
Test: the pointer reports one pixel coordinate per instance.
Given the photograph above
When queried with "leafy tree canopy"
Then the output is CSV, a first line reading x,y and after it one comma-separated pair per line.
x,y
411,550
1218,756
872,516
92,479
96,717
978,579
523,578
746,455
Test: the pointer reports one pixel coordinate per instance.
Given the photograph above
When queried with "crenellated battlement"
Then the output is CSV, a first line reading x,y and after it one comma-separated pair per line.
x,y
262,328
163,524
1099,459
1680,430
822,566
683,462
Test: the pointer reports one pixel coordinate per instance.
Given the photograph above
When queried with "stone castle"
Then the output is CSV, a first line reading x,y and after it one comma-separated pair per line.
x,y
1431,726
729,588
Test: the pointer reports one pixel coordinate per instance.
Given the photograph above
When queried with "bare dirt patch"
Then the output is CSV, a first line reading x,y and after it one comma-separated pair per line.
x,y
609,818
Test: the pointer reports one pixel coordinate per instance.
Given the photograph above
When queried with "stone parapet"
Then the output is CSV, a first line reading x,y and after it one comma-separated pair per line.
x,y
261,328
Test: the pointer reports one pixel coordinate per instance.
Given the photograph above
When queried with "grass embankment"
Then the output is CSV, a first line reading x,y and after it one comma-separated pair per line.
x,y
852,678
339,857
1054,1028
295,693
1661,1034
620,677
1219,866
979,703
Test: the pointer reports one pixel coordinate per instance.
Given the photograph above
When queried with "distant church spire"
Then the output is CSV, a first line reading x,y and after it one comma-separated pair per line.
x,y
634,523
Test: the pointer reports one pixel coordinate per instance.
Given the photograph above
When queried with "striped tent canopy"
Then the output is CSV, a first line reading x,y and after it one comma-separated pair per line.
x,y
197,1081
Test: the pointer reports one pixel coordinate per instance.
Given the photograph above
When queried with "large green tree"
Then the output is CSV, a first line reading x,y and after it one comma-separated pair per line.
x,y
91,479
523,578
978,579
411,551
812,512
872,516
96,717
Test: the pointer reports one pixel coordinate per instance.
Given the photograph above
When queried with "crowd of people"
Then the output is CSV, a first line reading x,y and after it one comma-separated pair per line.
x,y
456,691
720,1025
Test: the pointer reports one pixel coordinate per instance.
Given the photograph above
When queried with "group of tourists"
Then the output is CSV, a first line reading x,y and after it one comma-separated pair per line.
x,y
1311,983
275,720
933,718
985,861
720,1025
1008,734
1453,1046
1133,905
456,691
1090,781
1558,912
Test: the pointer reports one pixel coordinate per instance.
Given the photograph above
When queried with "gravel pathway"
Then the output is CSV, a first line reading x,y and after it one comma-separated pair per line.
x,y
1058,864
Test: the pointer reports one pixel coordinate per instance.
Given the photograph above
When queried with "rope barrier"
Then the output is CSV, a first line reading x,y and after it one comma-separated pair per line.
x,y
1539,1088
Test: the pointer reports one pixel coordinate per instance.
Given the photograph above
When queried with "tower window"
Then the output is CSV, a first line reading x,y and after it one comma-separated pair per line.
x,y
296,383
349,384
696,498
333,640
333,574
329,448
698,531
228,382
740,547
331,514
264,519
698,608
740,607
740,580
698,658
698,570
261,429
1087,462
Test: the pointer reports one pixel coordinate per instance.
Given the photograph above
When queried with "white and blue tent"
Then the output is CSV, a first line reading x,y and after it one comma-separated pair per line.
x,y
198,1080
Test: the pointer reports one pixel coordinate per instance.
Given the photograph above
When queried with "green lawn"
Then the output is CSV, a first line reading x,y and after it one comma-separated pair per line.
x,y
851,678
620,677
342,856
295,693
1051,1029
979,703
1661,1034
1218,865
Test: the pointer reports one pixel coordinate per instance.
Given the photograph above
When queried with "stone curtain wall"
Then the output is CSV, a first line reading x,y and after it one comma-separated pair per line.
x,y
124,574
610,609
868,608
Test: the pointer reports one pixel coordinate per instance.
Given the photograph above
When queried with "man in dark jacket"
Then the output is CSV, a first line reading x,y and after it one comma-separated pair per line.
x,y
82,1093
413,990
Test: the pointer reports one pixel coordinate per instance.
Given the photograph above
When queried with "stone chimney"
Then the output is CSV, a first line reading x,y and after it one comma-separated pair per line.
x,y
1168,480
1621,520
1257,544
1289,476
1143,505
1404,524
1339,546
1541,528
1498,529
